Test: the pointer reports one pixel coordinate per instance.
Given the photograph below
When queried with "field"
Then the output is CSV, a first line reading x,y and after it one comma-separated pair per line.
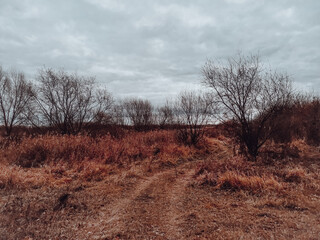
x,y
146,185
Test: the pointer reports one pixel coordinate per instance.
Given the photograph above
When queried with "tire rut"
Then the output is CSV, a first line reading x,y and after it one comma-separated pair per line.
x,y
114,222
153,210
156,212
177,208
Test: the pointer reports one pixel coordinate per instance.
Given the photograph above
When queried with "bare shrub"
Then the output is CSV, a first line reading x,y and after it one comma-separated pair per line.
x,y
103,114
193,111
139,112
118,114
165,115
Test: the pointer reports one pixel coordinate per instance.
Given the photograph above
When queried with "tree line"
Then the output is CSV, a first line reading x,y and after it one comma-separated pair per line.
x,y
240,91
69,103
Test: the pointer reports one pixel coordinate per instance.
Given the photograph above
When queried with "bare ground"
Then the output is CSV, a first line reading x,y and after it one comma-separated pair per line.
x,y
161,204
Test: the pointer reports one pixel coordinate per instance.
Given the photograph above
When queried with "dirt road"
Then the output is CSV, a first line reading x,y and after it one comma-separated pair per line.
x,y
151,210
165,203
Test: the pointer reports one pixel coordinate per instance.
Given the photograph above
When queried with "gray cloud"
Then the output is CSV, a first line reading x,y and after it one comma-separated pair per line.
x,y
154,49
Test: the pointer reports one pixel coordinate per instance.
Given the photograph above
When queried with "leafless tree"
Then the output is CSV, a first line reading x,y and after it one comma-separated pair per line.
x,y
250,95
68,102
15,94
165,115
119,114
139,112
104,113
193,112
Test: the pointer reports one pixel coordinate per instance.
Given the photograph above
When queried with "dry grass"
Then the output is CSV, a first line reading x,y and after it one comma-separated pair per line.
x,y
146,185
236,181
235,174
58,159
260,200
296,174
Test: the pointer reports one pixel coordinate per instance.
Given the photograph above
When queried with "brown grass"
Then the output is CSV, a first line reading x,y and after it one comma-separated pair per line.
x,y
235,174
236,181
146,185
296,174
227,171
58,159
33,152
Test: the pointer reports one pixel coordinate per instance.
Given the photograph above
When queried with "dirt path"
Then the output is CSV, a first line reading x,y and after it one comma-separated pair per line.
x,y
135,204
152,210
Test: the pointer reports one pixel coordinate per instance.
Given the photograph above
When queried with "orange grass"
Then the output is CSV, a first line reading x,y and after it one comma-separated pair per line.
x,y
105,183
236,173
297,174
236,181
33,152
56,159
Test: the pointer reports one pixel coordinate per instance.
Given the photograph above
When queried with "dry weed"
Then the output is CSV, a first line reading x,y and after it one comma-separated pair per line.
x,y
236,181
60,159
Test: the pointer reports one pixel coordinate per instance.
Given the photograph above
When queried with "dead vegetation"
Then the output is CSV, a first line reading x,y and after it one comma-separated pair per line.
x,y
148,185
55,159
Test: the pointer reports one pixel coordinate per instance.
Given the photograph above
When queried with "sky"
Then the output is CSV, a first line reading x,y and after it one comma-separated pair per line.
x,y
153,49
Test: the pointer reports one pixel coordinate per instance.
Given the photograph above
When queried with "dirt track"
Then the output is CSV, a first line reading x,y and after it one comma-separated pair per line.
x,y
161,204
151,210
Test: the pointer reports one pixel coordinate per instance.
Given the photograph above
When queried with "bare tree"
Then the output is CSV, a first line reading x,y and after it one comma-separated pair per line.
x,y
250,95
104,113
139,112
165,115
119,114
68,102
15,94
193,112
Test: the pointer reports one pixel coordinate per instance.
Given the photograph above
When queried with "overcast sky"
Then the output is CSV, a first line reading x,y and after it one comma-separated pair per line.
x,y
155,49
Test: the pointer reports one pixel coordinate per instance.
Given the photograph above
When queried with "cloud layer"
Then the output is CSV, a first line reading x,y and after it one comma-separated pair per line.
x,y
154,49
